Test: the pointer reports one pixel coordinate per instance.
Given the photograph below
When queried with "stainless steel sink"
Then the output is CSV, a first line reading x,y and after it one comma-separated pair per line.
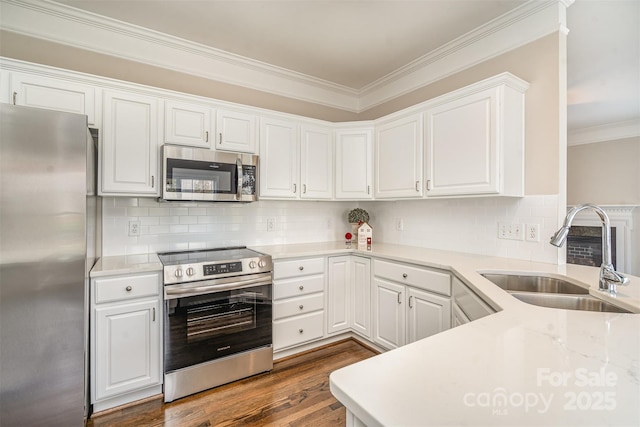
x,y
517,283
551,292
568,302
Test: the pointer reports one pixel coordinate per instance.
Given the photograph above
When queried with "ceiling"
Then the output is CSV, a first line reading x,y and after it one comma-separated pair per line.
x,y
356,43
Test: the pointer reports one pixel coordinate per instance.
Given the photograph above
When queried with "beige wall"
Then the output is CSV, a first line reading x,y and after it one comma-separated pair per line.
x,y
70,58
538,63
605,173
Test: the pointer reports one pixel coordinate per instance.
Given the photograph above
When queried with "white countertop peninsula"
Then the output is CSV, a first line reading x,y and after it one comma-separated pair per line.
x,y
525,365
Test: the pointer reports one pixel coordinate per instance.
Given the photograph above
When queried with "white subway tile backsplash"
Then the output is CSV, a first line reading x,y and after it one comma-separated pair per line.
x,y
465,224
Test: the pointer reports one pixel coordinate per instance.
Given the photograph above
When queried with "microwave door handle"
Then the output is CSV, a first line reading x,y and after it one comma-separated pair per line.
x,y
239,189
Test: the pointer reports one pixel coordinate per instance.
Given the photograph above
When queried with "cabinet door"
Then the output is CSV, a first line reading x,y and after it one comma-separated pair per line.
x,y
278,159
236,131
187,124
398,158
427,314
129,144
361,295
53,94
458,316
389,324
353,164
462,150
338,294
127,343
316,163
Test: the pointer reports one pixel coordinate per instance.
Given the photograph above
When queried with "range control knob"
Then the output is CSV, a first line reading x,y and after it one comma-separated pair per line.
x,y
252,264
178,272
262,263
190,271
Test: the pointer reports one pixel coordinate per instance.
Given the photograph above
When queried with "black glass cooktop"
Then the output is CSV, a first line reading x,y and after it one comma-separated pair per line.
x,y
207,255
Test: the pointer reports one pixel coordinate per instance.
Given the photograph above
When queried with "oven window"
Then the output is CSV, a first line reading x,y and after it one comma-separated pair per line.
x,y
190,176
211,319
205,327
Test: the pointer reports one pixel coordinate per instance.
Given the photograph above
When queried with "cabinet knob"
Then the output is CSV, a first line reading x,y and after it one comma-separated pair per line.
x,y
300,330
128,288
301,306
301,268
404,275
301,287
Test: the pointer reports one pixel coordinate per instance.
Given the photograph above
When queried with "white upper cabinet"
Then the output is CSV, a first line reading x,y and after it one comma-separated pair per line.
x,y
54,94
236,131
316,162
354,164
278,159
129,144
188,124
398,158
475,140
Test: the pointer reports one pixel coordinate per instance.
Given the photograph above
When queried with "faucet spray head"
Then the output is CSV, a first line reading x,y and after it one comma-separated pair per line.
x,y
560,237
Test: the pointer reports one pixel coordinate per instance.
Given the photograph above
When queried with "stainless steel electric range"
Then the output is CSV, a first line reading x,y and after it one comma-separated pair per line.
x,y
217,318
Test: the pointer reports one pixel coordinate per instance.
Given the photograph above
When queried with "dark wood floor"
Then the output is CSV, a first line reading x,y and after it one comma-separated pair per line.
x,y
295,393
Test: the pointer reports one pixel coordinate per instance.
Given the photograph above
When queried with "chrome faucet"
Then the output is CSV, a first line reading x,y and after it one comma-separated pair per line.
x,y
609,278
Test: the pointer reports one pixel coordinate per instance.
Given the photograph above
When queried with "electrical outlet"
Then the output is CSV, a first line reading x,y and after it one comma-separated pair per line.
x,y
134,228
399,224
271,224
532,233
510,231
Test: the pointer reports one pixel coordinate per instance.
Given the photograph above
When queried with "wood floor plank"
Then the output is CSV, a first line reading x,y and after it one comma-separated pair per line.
x,y
294,394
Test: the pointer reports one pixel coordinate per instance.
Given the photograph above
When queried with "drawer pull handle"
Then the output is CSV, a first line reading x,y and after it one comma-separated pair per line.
x,y
301,306
301,287
404,275
128,288
301,268
300,330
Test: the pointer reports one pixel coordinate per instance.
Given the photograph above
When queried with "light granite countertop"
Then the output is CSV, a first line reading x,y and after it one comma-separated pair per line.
x,y
524,365
125,264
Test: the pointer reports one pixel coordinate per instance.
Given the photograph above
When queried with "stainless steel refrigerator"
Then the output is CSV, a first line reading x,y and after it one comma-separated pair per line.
x,y
48,241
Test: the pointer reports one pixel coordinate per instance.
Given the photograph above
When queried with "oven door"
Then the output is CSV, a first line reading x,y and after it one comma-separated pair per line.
x,y
204,323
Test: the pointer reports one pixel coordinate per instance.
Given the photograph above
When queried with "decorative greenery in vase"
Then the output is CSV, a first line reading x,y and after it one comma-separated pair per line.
x,y
358,215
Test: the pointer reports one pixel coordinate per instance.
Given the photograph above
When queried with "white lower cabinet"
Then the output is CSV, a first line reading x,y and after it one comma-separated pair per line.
x,y
349,295
298,302
467,305
126,339
410,303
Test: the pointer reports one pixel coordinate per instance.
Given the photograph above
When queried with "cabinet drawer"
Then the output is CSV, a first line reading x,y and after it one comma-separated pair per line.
x,y
297,287
301,305
126,287
298,267
468,302
296,330
421,278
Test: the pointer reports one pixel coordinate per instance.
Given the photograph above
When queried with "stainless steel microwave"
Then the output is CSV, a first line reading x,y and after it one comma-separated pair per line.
x,y
201,174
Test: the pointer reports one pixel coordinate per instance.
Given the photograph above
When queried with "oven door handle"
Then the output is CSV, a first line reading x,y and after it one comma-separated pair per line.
x,y
176,292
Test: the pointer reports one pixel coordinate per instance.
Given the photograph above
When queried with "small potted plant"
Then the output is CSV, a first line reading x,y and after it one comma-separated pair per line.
x,y
356,217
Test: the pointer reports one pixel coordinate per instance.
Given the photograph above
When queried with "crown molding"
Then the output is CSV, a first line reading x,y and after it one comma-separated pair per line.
x,y
603,133
529,22
69,26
